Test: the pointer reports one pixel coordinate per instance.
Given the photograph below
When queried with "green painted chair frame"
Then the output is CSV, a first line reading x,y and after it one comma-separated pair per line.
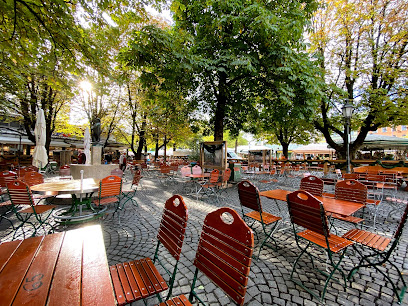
x,y
6,205
381,252
20,196
128,195
308,212
249,197
140,279
224,255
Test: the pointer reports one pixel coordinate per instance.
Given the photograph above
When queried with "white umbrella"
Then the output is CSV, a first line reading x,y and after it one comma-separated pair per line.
x,y
87,146
40,157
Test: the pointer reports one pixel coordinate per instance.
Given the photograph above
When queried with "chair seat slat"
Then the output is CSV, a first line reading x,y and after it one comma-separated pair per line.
x,y
142,286
132,281
336,243
117,286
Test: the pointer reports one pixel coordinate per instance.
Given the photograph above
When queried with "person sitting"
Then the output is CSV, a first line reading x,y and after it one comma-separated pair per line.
x,y
81,158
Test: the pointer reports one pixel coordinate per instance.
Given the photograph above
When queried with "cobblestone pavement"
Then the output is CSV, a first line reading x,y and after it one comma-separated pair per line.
x,y
134,236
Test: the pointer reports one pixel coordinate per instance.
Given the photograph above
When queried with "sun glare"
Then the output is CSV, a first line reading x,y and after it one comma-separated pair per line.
x,y
86,86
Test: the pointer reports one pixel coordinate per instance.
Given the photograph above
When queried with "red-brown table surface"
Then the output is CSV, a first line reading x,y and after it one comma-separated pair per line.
x,y
332,205
67,268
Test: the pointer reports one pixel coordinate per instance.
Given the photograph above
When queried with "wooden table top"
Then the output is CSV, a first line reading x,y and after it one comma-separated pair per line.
x,y
66,187
345,208
67,268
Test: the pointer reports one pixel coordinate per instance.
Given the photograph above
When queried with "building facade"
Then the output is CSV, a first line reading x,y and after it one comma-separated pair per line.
x,y
397,131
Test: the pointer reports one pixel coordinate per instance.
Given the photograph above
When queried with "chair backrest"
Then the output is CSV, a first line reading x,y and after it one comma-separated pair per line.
x,y
165,169
214,176
226,175
137,176
307,211
185,170
196,170
19,193
33,178
312,184
351,176
249,196
110,186
6,177
117,172
173,225
224,252
351,190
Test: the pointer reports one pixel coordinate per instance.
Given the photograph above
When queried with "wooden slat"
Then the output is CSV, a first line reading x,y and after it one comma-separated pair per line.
x,y
124,283
6,251
233,252
36,284
145,278
241,247
16,268
66,284
95,266
142,286
267,218
226,283
336,243
157,280
224,263
117,286
184,300
368,239
132,282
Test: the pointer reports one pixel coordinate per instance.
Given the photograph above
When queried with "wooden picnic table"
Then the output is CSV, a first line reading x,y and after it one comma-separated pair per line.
x,y
331,204
67,268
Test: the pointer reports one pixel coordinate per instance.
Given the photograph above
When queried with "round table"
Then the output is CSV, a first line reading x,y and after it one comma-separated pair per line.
x,y
81,209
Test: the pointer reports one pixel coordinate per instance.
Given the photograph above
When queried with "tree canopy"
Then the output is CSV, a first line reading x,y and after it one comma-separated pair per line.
x,y
362,48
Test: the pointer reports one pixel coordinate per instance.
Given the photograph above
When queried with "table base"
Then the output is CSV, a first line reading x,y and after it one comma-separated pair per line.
x,y
80,211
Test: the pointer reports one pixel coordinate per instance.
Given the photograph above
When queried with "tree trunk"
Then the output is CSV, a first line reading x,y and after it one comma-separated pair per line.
x,y
285,149
142,139
165,148
236,146
156,151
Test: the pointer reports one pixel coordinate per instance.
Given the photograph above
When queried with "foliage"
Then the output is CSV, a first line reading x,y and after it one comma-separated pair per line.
x,y
230,43
362,47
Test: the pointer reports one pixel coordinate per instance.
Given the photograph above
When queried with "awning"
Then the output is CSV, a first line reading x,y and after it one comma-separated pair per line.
x,y
5,140
314,148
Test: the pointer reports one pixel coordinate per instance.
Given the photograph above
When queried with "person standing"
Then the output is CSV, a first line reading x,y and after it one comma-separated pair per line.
x,y
122,162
